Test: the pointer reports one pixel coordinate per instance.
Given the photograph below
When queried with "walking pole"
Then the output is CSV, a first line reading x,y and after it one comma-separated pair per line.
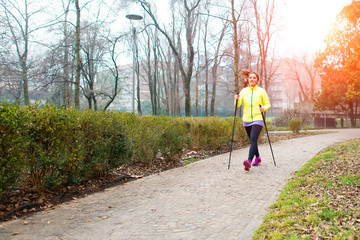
x,y
232,137
262,114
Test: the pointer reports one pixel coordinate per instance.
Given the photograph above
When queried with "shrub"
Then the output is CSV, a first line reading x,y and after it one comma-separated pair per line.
x,y
295,125
214,133
285,117
48,147
104,143
173,139
11,145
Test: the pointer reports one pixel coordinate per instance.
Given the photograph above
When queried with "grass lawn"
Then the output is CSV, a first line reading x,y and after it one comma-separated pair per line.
x,y
321,201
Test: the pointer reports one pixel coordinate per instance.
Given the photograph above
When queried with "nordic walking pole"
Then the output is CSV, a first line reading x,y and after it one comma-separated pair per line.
x,y
232,137
262,114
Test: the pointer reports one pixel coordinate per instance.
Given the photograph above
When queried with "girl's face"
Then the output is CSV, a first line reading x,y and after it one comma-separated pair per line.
x,y
252,80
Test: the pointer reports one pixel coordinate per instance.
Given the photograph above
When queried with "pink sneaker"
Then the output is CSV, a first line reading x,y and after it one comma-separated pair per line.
x,y
247,164
257,161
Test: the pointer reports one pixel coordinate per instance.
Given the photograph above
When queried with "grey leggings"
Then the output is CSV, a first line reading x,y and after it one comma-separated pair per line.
x,y
253,132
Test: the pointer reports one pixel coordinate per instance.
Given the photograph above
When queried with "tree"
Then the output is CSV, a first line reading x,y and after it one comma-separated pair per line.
x,y
306,75
190,17
66,68
214,69
17,28
263,25
77,54
112,93
92,49
339,65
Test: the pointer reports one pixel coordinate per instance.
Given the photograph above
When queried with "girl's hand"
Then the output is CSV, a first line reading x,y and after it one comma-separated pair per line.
x,y
236,97
261,109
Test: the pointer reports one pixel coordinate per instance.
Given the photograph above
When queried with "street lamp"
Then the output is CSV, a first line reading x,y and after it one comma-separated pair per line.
x,y
134,17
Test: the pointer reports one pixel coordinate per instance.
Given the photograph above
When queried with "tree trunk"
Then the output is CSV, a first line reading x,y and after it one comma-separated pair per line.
x,y
66,90
236,49
77,53
137,79
197,93
25,82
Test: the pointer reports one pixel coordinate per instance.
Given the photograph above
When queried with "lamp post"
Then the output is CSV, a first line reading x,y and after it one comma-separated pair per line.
x,y
133,17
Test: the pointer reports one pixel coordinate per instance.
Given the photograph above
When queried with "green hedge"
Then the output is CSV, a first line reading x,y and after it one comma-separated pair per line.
x,y
295,125
48,147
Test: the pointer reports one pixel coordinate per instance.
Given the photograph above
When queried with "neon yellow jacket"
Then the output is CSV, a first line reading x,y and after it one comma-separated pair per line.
x,y
252,97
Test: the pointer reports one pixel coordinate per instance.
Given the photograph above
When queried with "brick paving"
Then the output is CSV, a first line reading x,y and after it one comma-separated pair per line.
x,y
203,200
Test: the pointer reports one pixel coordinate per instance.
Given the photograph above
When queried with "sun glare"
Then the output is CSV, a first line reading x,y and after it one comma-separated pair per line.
x,y
306,23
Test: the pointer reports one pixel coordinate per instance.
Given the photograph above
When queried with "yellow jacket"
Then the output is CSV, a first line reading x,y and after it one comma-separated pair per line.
x,y
252,97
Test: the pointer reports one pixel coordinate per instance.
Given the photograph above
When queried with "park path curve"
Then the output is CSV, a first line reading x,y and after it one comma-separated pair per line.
x,y
203,200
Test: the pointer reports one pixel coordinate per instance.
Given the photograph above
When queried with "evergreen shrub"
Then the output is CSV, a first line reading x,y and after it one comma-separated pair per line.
x,y
295,125
48,147
12,145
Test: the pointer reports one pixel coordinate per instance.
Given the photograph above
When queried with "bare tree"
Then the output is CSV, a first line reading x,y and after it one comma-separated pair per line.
x,y
234,22
263,25
77,54
190,18
66,69
214,69
305,75
16,18
115,72
93,51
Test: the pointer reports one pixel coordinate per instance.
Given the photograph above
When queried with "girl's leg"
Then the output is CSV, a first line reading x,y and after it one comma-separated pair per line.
x,y
253,133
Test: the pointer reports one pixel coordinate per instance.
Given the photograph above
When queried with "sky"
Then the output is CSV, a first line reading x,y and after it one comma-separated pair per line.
x,y
302,24
305,24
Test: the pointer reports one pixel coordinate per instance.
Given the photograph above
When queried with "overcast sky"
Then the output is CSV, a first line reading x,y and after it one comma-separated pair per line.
x,y
302,24
306,24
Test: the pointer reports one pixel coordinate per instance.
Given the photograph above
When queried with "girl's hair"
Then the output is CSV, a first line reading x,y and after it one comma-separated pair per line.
x,y
245,75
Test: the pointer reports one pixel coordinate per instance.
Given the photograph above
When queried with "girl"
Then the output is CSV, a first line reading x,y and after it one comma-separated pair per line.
x,y
255,101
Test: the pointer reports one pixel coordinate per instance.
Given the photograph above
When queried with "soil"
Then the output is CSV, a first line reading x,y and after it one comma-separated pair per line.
x,y
24,200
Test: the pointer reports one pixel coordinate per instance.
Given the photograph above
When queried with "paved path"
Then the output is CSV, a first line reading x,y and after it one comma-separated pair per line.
x,y
203,200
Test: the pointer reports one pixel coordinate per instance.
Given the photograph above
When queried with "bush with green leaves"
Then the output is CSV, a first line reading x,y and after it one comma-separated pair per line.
x,y
103,142
12,145
210,133
295,125
173,139
48,147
